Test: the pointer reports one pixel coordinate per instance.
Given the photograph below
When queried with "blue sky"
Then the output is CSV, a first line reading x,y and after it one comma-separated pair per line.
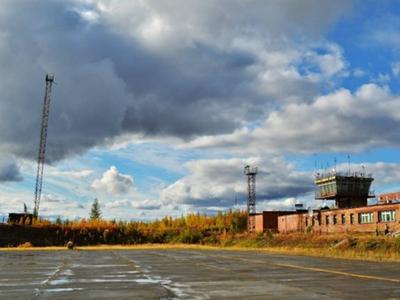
x,y
159,105
368,37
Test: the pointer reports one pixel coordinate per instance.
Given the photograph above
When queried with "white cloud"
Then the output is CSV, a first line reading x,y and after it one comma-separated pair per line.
x,y
293,72
339,121
143,204
381,78
208,20
74,174
90,16
396,68
51,205
359,72
122,203
288,203
113,182
384,173
55,205
215,182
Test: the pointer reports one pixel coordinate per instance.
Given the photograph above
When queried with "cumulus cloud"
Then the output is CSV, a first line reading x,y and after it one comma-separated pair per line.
x,y
113,182
216,182
339,121
357,72
123,203
182,22
132,205
396,68
384,173
179,68
51,205
286,204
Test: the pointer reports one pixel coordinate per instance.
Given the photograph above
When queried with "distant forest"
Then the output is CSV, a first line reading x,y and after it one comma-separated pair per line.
x,y
192,228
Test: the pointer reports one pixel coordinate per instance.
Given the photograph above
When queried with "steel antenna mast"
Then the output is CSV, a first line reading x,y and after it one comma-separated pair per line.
x,y
42,145
251,173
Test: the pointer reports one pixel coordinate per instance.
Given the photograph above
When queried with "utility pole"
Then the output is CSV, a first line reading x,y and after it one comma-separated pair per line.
x,y
42,145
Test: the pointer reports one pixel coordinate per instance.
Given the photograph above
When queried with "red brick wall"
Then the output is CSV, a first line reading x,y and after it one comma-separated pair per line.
x,y
317,223
268,220
291,223
259,223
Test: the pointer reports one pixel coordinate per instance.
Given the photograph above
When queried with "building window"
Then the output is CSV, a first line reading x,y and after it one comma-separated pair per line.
x,y
364,218
306,222
351,218
327,220
334,219
343,219
387,216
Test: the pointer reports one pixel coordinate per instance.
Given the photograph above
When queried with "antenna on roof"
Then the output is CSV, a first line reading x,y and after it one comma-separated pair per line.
x,y
348,161
315,163
335,165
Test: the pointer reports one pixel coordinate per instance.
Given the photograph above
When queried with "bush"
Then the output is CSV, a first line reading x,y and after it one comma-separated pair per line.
x,y
190,237
370,245
397,245
25,245
210,238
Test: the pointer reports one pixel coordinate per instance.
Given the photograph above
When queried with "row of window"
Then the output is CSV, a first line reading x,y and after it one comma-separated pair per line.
x,y
344,187
333,189
363,218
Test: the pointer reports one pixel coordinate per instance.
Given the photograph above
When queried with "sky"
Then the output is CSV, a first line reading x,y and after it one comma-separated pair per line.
x,y
157,106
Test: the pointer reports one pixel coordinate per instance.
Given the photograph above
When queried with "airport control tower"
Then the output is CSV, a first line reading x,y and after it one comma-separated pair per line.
x,y
347,189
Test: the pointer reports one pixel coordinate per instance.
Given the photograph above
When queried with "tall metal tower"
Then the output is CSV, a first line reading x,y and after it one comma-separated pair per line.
x,y
251,173
42,144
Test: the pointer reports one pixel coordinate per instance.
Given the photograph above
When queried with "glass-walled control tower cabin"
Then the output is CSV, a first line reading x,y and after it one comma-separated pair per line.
x,y
348,190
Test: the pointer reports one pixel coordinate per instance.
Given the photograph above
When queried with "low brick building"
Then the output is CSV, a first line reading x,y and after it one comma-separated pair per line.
x,y
350,191
267,220
292,223
379,218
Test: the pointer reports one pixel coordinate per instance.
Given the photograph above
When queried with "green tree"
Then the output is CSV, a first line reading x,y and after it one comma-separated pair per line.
x,y
95,212
58,220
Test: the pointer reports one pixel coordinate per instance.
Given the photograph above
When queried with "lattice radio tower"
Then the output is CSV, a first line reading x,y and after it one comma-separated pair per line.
x,y
42,145
251,173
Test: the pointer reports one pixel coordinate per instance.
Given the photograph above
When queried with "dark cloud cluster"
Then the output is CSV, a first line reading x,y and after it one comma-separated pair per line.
x,y
122,66
9,170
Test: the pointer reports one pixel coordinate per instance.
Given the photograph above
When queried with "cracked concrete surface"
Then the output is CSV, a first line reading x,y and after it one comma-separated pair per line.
x,y
191,274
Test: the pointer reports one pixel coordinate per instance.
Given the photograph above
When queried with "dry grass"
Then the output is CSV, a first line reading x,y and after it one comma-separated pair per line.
x,y
25,245
334,253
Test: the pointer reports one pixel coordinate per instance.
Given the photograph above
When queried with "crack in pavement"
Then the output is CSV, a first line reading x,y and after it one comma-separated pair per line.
x,y
66,261
164,283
